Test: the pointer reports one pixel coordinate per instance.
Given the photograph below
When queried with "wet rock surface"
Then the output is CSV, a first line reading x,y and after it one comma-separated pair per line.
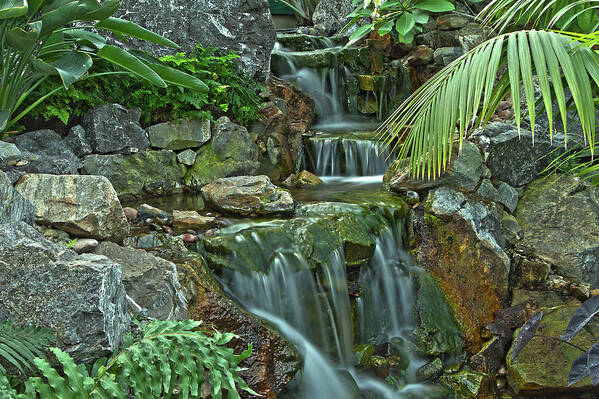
x,y
562,210
138,175
247,195
80,298
86,206
180,134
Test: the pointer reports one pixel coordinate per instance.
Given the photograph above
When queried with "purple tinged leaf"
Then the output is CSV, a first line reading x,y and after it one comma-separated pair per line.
x,y
526,333
593,363
579,369
581,317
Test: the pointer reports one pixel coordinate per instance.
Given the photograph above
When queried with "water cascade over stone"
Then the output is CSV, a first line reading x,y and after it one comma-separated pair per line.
x,y
343,155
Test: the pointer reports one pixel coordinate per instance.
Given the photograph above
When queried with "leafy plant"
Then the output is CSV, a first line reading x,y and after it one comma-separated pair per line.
x,y
229,93
303,9
405,16
39,38
71,243
588,362
172,359
19,346
467,92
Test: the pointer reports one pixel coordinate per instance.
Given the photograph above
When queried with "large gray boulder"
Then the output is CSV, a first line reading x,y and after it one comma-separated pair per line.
x,y
244,26
331,16
560,220
151,282
79,297
51,154
246,195
512,156
113,128
86,206
180,134
13,207
138,175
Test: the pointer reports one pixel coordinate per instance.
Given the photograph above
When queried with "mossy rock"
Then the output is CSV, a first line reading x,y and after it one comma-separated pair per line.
x,y
470,276
210,166
542,367
470,384
438,332
146,173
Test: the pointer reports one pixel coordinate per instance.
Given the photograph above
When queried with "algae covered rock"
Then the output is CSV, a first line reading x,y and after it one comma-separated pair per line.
x,y
470,384
138,175
438,332
560,220
472,276
543,365
231,152
246,195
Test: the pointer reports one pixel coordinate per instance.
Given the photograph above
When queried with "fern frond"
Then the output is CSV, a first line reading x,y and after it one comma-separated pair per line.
x,y
169,355
21,345
578,15
426,122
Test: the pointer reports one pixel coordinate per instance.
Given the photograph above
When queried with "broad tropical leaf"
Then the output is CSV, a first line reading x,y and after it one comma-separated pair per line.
x,y
593,363
131,63
526,333
581,317
128,28
579,369
466,93
12,8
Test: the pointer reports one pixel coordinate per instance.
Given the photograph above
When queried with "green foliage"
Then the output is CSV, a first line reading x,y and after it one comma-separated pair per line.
x,y
303,9
466,92
171,359
20,345
229,93
38,40
405,16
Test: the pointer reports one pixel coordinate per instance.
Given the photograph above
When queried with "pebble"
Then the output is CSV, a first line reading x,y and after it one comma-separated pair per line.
x,y
84,245
130,213
189,237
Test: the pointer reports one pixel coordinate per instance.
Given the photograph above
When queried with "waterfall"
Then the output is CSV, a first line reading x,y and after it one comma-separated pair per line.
x,y
312,309
345,156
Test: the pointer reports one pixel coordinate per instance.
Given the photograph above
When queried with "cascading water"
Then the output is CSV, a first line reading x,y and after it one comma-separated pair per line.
x,y
334,156
312,309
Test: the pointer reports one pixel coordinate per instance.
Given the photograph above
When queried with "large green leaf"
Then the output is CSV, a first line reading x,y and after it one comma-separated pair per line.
x,y
23,40
405,23
72,66
85,37
12,8
178,78
119,26
435,5
131,63
4,118
98,12
54,18
359,33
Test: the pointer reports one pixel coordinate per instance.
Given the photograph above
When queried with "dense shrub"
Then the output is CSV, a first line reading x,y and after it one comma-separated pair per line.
x,y
230,93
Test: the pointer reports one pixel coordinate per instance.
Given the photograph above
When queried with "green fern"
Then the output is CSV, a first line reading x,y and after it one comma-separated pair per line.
x,y
171,358
19,346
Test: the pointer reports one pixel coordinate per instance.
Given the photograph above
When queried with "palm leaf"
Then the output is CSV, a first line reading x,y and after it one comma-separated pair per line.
x,y
502,15
19,346
426,121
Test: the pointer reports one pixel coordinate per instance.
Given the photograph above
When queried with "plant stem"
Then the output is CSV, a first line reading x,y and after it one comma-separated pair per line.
x,y
561,340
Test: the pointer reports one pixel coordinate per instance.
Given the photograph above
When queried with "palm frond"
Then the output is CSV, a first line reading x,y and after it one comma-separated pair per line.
x,y
20,345
466,94
578,15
